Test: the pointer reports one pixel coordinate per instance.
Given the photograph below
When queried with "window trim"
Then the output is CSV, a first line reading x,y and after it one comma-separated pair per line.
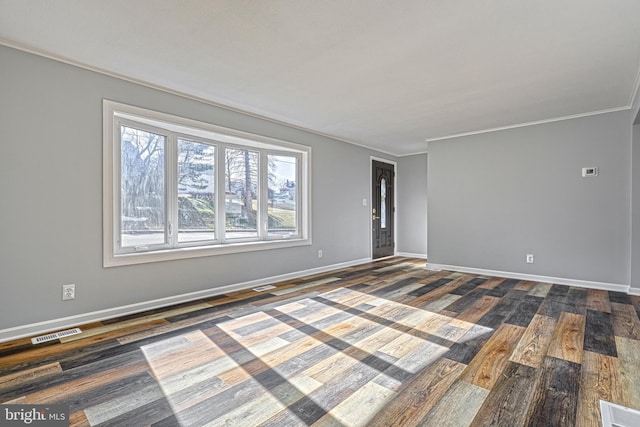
x,y
173,127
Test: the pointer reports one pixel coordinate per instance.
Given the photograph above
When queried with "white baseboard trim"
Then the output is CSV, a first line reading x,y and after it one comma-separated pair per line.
x,y
411,255
534,278
96,316
634,291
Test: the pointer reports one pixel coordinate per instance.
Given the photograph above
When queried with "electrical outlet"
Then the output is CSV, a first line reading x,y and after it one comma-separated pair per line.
x,y
68,292
319,253
529,258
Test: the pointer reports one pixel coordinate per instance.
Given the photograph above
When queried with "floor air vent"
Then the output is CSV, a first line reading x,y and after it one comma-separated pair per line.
x,y
618,416
55,336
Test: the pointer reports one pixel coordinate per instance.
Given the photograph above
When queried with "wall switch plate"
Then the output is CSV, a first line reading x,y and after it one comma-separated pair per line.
x,y
320,253
529,258
68,292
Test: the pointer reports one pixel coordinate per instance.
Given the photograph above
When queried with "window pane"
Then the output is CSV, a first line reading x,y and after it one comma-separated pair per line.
x,y
142,192
196,191
282,195
383,203
241,189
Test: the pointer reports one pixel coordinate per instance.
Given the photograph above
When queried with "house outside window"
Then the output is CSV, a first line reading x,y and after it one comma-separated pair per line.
x,y
176,188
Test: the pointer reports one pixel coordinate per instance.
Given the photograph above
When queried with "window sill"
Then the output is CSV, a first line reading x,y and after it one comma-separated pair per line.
x,y
200,251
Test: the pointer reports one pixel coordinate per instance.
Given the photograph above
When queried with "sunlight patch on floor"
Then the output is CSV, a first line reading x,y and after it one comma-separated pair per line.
x,y
372,342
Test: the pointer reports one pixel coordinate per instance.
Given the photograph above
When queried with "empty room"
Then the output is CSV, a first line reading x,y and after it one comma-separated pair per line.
x,y
319,213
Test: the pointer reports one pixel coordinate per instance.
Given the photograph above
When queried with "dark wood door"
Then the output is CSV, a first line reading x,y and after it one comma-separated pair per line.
x,y
382,209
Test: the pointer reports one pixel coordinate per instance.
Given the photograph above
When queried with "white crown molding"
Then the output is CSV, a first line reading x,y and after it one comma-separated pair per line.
x,y
532,277
110,313
45,54
538,122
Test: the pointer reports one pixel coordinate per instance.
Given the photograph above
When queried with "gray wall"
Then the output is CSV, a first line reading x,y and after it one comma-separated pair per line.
x,y
412,205
51,197
635,212
495,197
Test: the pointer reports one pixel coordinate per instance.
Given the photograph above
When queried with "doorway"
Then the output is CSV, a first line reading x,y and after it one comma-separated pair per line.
x,y
382,209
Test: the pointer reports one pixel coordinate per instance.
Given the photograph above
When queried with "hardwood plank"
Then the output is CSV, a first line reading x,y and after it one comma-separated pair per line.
x,y
599,381
149,413
386,342
508,402
441,303
419,396
78,419
401,346
577,300
532,347
125,367
29,375
625,321
599,335
568,338
132,323
487,366
503,288
620,297
598,300
159,327
429,287
458,406
466,301
444,287
360,408
323,400
470,344
558,293
266,405
555,396
491,283
629,359
37,355
525,285
524,311
470,285
540,289
297,288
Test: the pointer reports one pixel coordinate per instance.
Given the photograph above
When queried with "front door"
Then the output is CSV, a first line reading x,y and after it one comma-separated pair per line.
x,y
382,209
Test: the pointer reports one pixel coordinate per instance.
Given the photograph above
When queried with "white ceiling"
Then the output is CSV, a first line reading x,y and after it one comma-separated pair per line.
x,y
381,73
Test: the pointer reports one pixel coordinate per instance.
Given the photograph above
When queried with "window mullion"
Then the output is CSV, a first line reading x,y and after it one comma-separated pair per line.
x,y
117,187
172,189
263,194
221,208
301,192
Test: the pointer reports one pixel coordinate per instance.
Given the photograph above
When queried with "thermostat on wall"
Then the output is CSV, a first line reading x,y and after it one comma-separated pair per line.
x,y
592,171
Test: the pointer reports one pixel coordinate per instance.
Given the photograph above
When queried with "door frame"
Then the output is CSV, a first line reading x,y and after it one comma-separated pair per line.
x,y
395,205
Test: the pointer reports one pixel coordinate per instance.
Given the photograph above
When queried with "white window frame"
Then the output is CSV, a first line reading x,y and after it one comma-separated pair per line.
x,y
174,127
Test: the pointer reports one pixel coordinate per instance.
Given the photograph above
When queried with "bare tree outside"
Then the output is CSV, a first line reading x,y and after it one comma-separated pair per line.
x,y
142,185
143,191
241,181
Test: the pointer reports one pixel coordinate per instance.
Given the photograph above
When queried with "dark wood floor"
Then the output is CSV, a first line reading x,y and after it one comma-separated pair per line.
x,y
381,344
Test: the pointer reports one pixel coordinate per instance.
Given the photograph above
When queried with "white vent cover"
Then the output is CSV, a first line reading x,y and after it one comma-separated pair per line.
x,y
618,416
55,336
